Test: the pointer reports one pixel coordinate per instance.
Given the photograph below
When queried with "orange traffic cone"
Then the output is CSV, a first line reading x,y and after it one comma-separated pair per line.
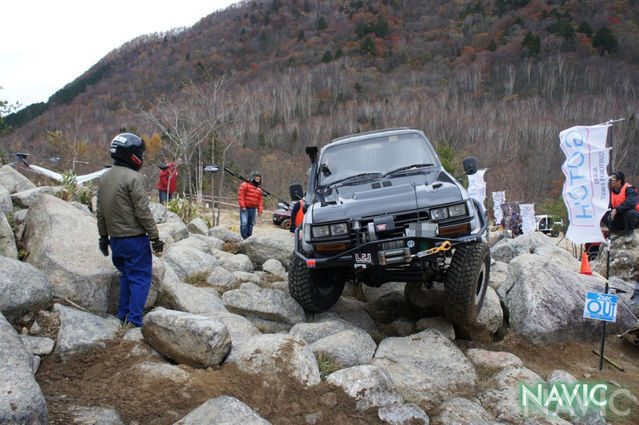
x,y
585,265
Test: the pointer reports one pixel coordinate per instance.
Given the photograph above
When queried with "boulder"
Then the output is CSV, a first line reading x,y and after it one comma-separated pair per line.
x,y
8,246
23,288
21,400
187,261
268,304
175,295
369,385
225,234
492,359
62,242
81,331
352,311
273,356
347,348
591,416
221,279
205,244
403,414
275,268
176,230
38,345
197,226
372,294
223,410
159,212
234,262
6,206
159,372
95,415
461,411
264,246
546,302
196,340
623,260
26,198
427,367
532,243
311,332
438,323
13,181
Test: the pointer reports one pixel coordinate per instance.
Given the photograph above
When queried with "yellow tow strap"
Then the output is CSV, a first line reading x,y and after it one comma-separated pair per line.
x,y
445,246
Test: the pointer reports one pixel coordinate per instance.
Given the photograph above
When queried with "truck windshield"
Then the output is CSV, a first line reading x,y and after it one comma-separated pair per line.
x,y
375,157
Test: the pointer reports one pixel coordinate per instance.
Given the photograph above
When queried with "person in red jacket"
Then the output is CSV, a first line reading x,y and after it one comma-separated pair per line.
x,y
251,202
168,181
624,215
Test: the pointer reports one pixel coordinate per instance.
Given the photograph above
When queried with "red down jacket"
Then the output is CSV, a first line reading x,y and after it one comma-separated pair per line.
x,y
250,196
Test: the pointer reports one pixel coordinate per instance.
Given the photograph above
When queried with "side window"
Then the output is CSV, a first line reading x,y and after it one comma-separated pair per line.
x,y
542,224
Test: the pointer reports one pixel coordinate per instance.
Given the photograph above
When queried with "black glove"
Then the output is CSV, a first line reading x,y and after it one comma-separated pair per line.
x,y
157,244
104,245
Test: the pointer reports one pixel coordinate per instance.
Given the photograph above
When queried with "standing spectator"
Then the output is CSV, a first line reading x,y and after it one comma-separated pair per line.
x,y
168,181
123,215
251,202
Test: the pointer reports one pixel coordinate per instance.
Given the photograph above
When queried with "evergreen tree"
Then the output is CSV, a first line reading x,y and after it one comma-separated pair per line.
x,y
585,28
605,41
327,57
532,42
321,23
368,46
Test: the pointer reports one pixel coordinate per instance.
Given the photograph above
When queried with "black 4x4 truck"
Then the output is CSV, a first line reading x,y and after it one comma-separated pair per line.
x,y
380,207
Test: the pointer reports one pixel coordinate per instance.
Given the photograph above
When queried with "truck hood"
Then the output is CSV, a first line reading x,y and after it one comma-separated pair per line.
x,y
379,198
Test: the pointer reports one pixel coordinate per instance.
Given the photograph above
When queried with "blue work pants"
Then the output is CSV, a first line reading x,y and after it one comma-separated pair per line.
x,y
247,221
132,257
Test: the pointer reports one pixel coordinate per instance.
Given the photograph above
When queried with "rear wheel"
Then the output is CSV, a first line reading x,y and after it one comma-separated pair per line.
x,y
286,223
466,282
316,290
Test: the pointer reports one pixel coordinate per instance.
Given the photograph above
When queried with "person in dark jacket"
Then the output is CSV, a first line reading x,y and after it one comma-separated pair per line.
x,y
126,224
251,201
167,182
623,217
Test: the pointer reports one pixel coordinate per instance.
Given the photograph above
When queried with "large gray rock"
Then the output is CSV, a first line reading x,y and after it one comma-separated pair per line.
x,y
427,367
546,302
158,372
187,261
577,416
352,311
403,414
532,243
273,356
206,244
197,226
372,294
223,410
23,288
6,206
175,229
347,348
159,212
623,260
234,262
175,295
26,198
461,411
264,246
13,181
311,332
195,340
268,304
95,415
275,268
369,385
81,331
21,400
8,246
222,279
63,243
492,359
225,234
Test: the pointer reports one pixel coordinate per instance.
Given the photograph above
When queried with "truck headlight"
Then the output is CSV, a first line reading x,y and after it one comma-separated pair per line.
x,y
320,231
439,213
457,210
339,229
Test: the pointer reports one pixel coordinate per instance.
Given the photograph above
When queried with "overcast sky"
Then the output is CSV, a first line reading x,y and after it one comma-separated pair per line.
x,y
45,44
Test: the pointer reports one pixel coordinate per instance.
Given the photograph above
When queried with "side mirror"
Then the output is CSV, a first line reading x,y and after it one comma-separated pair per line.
x,y
470,166
296,191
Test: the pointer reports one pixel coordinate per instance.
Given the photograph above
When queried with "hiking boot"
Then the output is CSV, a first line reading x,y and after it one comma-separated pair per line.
x,y
629,237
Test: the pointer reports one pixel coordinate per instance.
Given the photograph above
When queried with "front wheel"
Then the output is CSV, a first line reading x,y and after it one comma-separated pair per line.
x,y
316,290
466,282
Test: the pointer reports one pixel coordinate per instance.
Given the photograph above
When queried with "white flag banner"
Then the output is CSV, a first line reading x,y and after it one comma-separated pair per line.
x,y
498,199
527,212
585,190
477,186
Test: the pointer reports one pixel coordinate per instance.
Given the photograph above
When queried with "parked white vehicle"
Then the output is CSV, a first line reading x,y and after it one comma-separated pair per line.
x,y
548,224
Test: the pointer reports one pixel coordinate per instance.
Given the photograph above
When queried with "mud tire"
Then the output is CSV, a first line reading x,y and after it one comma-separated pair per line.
x,y
285,224
316,290
466,282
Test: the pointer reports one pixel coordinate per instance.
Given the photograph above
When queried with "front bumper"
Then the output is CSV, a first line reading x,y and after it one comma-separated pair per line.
x,y
390,251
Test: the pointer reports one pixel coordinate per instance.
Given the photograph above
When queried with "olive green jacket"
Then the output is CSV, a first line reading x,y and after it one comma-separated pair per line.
x,y
123,205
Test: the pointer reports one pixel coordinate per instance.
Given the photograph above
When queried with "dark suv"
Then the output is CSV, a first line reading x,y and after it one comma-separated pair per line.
x,y
380,207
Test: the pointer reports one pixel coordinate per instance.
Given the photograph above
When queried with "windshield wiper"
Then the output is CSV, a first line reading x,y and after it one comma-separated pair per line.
x,y
407,168
357,178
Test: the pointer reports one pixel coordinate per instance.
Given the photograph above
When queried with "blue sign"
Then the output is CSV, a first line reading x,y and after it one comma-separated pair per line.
x,y
600,306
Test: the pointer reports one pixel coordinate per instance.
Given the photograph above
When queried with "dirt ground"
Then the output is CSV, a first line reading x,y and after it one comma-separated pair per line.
x,y
231,219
